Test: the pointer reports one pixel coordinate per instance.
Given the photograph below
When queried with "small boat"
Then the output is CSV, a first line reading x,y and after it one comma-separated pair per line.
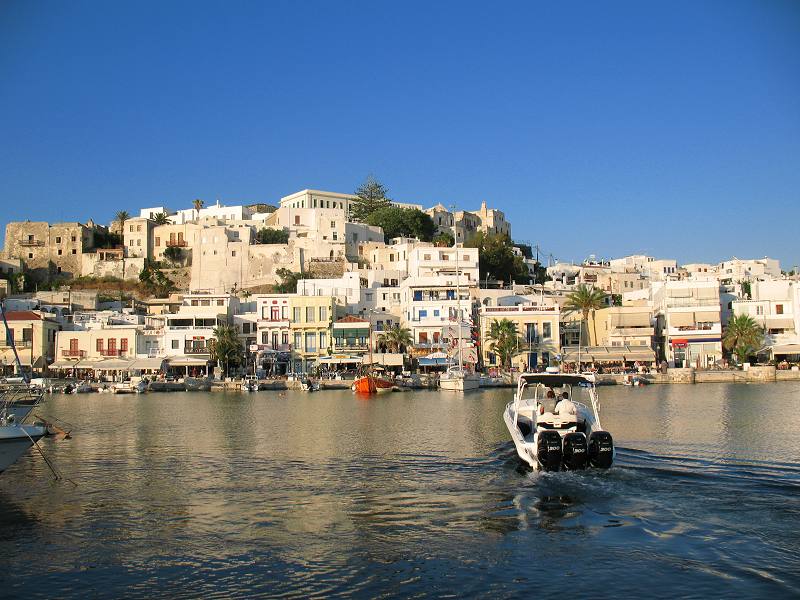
x,y
129,387
81,387
633,380
250,384
553,434
370,384
309,385
456,379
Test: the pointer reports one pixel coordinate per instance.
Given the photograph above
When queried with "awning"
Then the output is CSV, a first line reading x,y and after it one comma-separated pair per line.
x,y
427,361
610,354
388,359
780,323
113,365
681,319
64,364
142,364
187,361
7,356
786,349
339,359
631,319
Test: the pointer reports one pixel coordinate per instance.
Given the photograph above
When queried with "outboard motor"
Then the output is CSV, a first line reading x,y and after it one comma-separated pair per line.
x,y
575,451
548,450
601,449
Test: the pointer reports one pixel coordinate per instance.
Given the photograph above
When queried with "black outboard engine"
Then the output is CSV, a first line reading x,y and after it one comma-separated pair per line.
x,y
548,450
601,449
575,451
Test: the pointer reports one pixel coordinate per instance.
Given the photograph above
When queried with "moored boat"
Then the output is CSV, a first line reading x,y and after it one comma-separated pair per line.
x,y
459,380
370,384
129,387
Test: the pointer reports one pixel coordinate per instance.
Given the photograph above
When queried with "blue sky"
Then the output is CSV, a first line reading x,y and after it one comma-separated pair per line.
x,y
607,128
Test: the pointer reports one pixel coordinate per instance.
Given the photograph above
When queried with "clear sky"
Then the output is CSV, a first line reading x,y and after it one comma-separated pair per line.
x,y
607,128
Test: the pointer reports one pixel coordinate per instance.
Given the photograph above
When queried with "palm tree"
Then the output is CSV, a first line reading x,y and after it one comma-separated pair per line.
x,y
503,340
198,204
585,299
121,217
225,347
743,336
161,218
396,337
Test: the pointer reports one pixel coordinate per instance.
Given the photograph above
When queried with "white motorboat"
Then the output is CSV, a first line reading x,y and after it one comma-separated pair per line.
x,y
81,387
250,384
15,439
551,430
633,380
129,387
308,385
457,379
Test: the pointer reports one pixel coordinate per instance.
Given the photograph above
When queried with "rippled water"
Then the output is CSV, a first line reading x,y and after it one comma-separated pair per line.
x,y
412,494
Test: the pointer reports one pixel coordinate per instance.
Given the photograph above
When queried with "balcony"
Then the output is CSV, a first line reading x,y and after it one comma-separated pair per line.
x,y
691,302
112,352
73,353
176,244
31,243
345,346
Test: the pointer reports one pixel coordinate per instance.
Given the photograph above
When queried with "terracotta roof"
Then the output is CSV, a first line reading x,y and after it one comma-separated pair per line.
x,y
352,319
23,315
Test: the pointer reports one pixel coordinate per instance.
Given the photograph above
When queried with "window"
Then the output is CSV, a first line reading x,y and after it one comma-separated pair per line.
x,y
323,313
131,228
220,302
233,253
423,314
779,309
426,257
323,340
435,312
74,239
310,314
285,338
99,345
264,337
423,337
335,236
30,254
174,344
158,241
333,224
546,330
59,252
296,314
58,239
759,310
298,341
74,251
123,345
297,219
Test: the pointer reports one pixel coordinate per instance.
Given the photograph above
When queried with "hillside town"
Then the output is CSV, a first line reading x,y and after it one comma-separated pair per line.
x,y
324,283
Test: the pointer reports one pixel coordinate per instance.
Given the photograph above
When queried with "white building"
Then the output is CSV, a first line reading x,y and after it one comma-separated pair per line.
x,y
736,270
774,306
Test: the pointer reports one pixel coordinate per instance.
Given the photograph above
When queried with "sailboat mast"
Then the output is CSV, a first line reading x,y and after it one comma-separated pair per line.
x,y
458,310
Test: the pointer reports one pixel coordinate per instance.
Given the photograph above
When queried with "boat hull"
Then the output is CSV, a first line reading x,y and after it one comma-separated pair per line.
x,y
460,384
371,385
14,442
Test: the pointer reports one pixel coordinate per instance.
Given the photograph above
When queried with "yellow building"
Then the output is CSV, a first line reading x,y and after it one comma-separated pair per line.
x,y
537,329
310,329
34,337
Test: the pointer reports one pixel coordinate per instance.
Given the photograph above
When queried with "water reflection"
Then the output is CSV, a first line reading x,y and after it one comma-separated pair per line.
x,y
406,494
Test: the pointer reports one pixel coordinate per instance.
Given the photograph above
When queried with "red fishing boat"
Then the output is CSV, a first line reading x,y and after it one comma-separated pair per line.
x,y
369,384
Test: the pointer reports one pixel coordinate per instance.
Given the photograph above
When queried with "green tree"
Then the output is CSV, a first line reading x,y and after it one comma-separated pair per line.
x,y
585,299
225,348
272,236
173,254
197,204
496,258
396,337
443,239
743,337
371,195
288,281
503,340
155,281
161,218
121,217
402,222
